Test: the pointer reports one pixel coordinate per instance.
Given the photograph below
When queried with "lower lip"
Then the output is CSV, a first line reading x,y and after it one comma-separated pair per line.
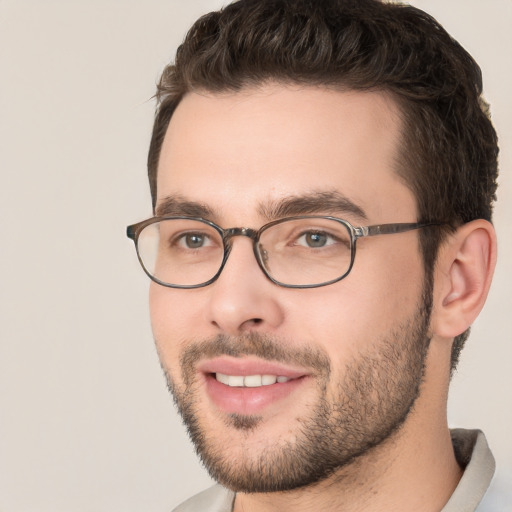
x,y
249,401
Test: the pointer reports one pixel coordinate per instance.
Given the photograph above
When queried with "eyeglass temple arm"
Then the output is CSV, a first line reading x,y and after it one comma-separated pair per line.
x,y
387,229
130,232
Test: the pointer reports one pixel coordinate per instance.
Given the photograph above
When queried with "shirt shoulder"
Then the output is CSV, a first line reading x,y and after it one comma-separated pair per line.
x,y
214,499
473,454
499,496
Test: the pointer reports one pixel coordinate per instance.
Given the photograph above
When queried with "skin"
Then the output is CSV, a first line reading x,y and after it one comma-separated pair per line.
x,y
236,152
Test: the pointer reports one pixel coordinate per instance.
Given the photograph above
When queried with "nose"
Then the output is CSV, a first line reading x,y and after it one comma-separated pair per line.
x,y
242,299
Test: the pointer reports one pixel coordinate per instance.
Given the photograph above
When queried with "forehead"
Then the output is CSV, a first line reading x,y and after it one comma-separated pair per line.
x,y
236,151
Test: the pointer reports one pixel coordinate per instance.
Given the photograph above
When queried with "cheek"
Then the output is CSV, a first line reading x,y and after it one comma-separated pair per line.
x,y
360,310
167,313
171,310
158,312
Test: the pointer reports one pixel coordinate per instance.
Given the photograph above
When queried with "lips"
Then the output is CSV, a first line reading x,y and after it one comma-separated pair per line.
x,y
248,386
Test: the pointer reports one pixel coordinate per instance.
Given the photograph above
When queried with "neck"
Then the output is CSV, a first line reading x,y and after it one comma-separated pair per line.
x,y
415,469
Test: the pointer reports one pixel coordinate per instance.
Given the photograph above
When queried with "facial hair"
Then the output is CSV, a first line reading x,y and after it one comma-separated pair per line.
x,y
373,395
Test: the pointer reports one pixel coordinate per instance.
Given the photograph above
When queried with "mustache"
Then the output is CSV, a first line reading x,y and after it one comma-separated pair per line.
x,y
263,346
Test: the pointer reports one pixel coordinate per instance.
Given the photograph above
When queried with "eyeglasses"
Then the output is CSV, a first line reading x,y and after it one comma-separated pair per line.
x,y
294,252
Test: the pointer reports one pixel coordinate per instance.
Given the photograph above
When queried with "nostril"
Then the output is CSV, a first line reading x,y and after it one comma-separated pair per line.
x,y
252,322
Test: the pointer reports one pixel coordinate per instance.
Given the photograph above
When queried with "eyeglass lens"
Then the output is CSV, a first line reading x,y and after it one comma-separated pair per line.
x,y
300,252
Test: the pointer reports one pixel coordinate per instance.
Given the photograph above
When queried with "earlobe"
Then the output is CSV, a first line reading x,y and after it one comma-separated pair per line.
x,y
463,275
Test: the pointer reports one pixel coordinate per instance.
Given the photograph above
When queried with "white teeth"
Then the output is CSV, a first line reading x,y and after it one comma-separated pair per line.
x,y
222,378
252,381
268,380
249,381
235,382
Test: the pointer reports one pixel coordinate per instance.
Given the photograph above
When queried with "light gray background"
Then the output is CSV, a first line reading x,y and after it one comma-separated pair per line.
x,y
86,422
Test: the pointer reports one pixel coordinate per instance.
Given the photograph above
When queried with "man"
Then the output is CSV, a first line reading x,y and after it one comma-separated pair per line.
x,y
311,375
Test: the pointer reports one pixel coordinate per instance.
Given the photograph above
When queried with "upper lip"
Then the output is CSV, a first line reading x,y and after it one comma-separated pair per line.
x,y
249,366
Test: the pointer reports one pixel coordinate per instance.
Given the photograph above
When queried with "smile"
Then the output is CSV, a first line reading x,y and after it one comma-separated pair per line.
x,y
250,385
250,381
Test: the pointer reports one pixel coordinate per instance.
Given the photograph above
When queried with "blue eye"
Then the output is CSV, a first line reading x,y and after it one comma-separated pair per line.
x,y
194,240
315,239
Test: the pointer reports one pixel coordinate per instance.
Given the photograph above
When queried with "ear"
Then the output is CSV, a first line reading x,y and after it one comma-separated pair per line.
x,y
462,277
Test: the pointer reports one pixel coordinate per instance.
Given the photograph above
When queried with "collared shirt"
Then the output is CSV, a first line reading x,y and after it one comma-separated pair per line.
x,y
471,450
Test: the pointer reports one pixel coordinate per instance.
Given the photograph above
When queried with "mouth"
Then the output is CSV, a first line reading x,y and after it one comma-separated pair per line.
x,y
250,381
248,387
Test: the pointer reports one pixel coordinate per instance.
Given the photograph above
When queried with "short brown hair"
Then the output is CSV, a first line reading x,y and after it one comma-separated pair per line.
x,y
449,152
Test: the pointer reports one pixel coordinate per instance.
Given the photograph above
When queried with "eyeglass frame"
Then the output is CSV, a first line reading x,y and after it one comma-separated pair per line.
x,y
133,231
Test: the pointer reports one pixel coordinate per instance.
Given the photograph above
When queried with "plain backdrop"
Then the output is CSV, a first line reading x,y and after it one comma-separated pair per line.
x,y
86,422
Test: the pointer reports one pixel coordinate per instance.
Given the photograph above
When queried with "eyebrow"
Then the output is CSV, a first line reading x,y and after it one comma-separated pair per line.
x,y
325,202
178,205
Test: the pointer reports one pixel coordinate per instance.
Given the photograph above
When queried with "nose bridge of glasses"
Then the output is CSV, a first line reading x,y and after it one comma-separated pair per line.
x,y
232,232
229,234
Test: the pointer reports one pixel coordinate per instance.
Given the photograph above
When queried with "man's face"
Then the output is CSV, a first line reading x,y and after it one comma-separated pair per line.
x,y
349,356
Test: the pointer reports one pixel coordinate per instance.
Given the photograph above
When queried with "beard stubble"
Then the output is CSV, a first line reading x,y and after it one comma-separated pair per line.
x,y
369,403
